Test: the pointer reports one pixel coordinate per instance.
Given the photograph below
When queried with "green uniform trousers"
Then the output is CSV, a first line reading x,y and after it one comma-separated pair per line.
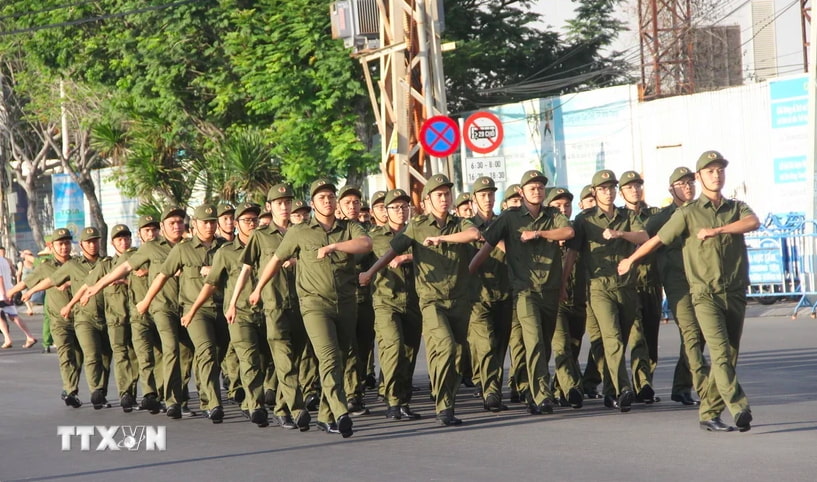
x,y
398,338
595,371
721,317
286,339
565,358
692,369
177,355
644,337
208,332
331,329
48,338
516,348
537,311
125,363
484,344
357,359
247,338
231,369
148,348
309,377
69,354
616,311
96,348
445,328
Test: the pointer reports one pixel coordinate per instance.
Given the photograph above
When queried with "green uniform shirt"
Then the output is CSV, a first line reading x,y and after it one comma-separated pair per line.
x,y
441,271
227,264
648,274
602,255
54,298
154,253
496,280
393,288
332,278
76,271
188,258
536,264
280,293
716,265
670,257
117,295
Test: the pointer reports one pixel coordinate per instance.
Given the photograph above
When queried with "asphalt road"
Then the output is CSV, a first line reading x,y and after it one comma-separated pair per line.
x,y
778,370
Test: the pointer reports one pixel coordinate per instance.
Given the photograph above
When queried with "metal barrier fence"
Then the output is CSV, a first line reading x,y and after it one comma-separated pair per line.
x,y
783,261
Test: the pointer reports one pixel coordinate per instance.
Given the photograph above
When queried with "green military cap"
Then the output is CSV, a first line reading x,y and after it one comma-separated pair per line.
x,y
378,197
680,173
265,214
60,234
206,212
225,208
299,205
278,191
120,230
587,191
173,211
630,177
462,199
396,195
604,176
147,220
708,158
511,191
247,208
533,176
483,183
348,190
90,233
556,193
319,184
435,182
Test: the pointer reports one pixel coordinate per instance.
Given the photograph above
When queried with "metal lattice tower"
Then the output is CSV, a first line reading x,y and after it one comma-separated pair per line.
x,y
667,66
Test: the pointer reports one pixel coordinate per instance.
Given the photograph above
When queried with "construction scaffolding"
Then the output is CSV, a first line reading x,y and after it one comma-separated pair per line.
x,y
666,44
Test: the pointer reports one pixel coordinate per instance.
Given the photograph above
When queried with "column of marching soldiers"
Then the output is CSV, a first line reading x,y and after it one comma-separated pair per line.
x,y
289,306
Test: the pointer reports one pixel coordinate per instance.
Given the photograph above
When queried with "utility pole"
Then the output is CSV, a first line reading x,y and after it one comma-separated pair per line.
x,y
403,69
665,40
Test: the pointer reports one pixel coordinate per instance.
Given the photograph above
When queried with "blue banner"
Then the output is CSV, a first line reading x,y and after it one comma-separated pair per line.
x,y
69,204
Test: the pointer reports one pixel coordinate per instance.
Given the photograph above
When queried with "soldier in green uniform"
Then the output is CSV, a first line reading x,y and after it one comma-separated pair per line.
x,y
518,379
284,329
398,322
349,204
326,280
177,349
605,235
247,331
379,214
463,205
300,212
89,319
571,316
644,333
207,329
117,317
438,242
692,369
230,366
489,327
531,234
68,349
264,219
717,268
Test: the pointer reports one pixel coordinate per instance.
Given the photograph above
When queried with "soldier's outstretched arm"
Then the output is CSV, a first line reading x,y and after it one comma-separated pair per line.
x,y
365,277
206,292
270,270
480,257
229,313
118,273
155,288
44,284
643,250
741,226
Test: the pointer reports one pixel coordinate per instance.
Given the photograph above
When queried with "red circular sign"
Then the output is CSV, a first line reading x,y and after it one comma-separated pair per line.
x,y
440,136
483,132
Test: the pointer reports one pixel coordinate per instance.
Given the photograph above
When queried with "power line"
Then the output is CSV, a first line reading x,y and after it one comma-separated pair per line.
x,y
97,18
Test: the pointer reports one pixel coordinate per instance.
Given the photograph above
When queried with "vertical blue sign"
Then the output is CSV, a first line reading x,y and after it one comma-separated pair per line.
x,y
69,204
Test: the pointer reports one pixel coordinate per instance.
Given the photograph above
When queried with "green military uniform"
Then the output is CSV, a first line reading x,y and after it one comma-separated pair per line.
x,y
117,317
326,289
177,349
247,333
146,341
207,330
518,379
718,273
570,325
692,369
397,319
230,367
489,327
613,298
535,273
284,329
89,322
446,292
65,337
